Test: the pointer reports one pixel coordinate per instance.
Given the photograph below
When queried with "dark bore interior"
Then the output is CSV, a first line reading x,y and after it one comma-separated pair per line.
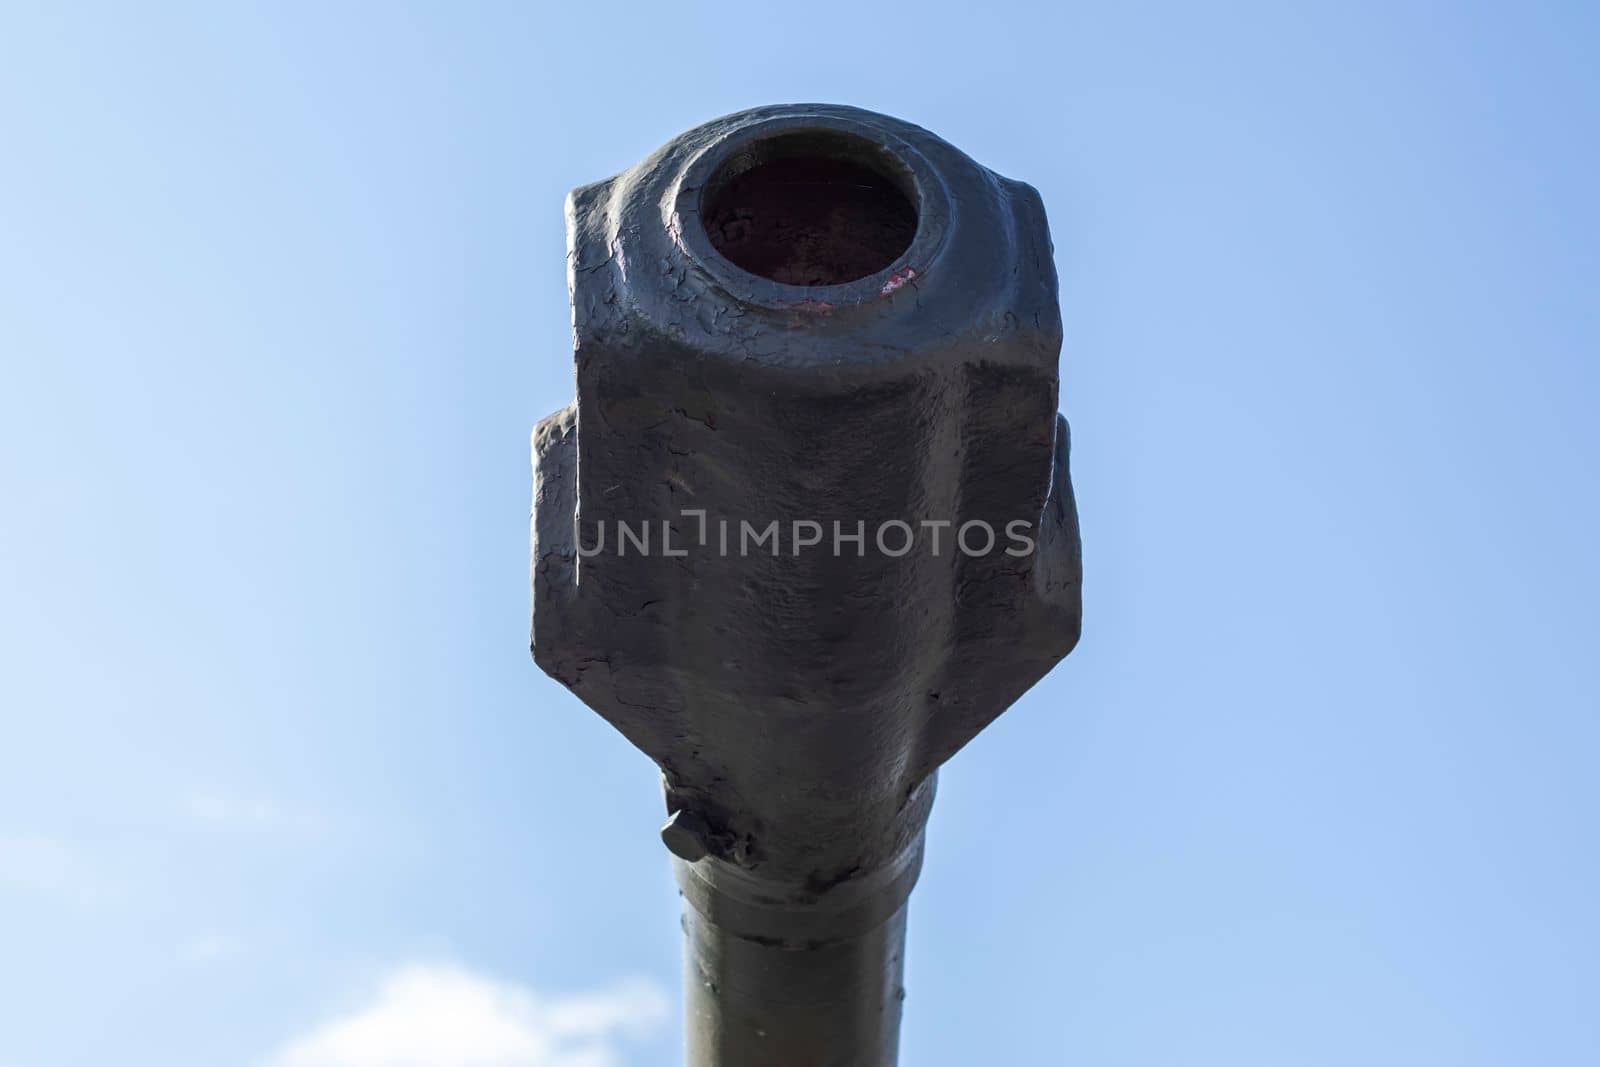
x,y
810,209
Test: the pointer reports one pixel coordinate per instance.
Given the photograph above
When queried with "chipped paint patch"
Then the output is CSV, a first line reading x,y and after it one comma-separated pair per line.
x,y
896,280
815,305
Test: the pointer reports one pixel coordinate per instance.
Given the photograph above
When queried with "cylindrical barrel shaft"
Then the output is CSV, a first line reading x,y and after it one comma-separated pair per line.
x,y
776,977
750,1004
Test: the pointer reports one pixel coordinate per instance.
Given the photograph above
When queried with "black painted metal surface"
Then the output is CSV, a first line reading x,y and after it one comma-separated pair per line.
x,y
820,317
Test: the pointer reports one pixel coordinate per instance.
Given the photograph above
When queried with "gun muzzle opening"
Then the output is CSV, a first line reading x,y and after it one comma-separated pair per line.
x,y
811,208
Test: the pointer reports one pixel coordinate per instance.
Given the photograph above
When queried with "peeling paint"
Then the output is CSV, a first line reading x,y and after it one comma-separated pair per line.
x,y
896,280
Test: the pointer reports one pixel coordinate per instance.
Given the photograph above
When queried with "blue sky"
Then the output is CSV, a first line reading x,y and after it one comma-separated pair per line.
x,y
282,293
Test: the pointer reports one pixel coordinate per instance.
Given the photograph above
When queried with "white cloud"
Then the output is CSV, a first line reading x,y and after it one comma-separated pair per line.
x,y
209,948
218,809
58,869
37,863
443,1016
226,811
